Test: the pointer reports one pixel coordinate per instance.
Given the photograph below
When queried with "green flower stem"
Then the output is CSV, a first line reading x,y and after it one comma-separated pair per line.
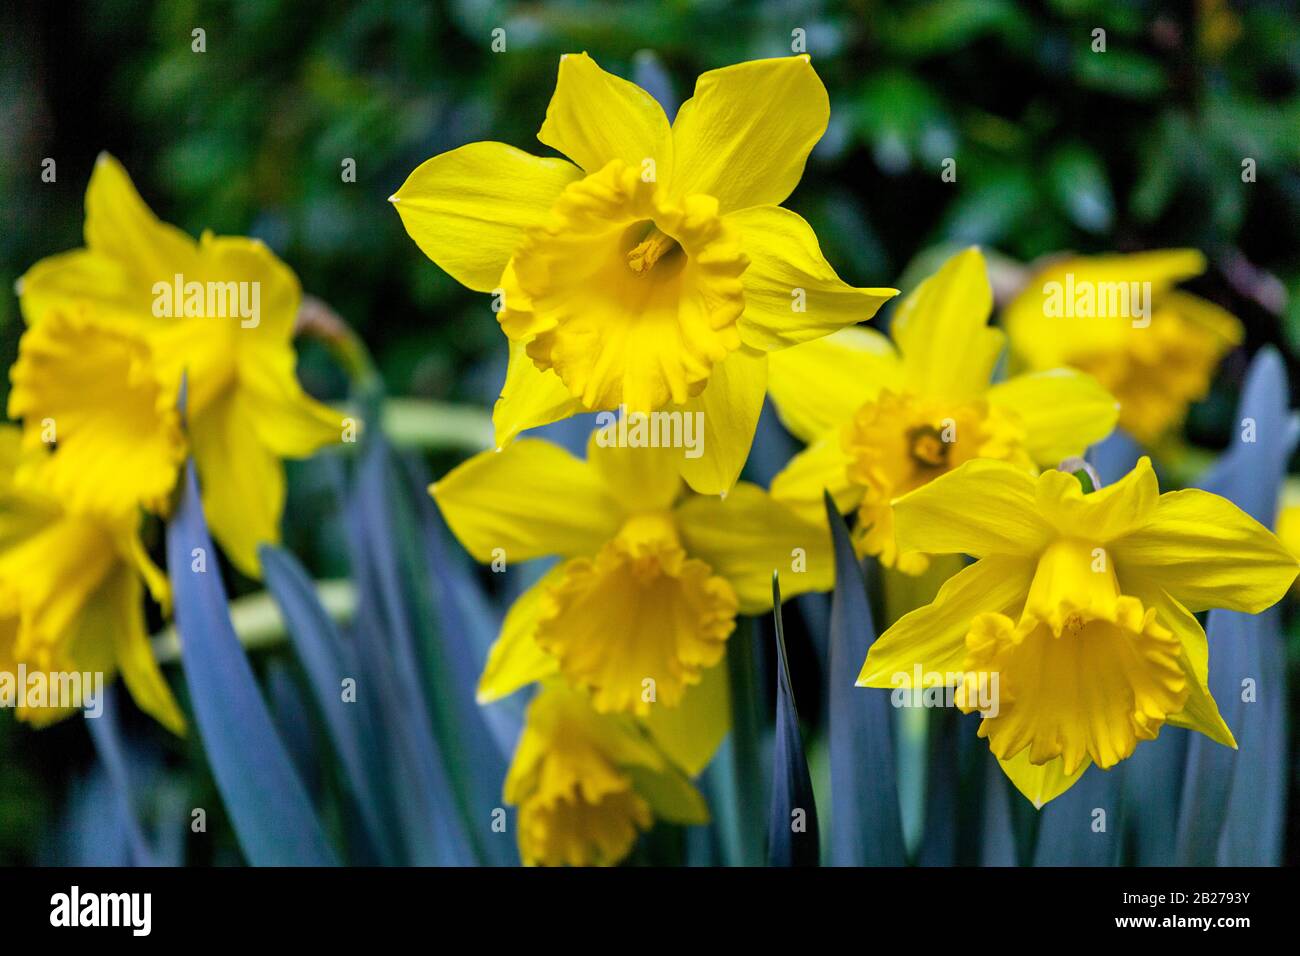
x,y
414,423
258,622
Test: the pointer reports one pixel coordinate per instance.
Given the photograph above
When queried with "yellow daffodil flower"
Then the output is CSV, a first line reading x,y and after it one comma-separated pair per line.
x,y
1119,318
221,313
1081,606
100,428
587,783
70,590
652,579
657,272
882,418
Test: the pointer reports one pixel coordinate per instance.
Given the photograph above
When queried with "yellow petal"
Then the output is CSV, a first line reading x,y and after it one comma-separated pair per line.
x,y
746,133
934,637
120,226
529,398
730,406
1206,552
241,259
1104,515
818,386
1288,516
1200,712
515,659
746,536
71,279
87,647
117,611
792,294
671,796
54,572
691,733
1221,324
468,209
594,117
1062,411
643,479
984,507
1047,341
214,351
240,479
1040,783
289,422
530,499
105,435
823,466
941,327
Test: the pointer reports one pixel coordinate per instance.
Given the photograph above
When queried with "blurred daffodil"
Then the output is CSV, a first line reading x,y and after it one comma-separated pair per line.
x,y
221,313
72,588
102,432
588,783
652,580
659,271
883,418
1119,318
1078,614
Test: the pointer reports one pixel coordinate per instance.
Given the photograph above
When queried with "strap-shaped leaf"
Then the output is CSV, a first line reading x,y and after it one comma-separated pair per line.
x,y
268,805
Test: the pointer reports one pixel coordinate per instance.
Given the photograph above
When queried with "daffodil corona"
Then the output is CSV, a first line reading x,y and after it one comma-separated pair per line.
x,y
587,783
657,272
1083,606
883,418
1120,319
652,578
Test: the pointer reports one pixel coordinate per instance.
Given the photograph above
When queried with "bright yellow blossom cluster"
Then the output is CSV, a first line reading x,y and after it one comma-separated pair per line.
x,y
656,273
882,418
113,330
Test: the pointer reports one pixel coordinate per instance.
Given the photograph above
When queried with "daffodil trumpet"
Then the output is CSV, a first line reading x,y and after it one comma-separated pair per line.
x,y
587,784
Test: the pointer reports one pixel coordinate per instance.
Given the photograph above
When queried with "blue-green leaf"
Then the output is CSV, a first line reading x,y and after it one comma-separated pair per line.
x,y
1233,803
433,823
1084,825
455,648
733,781
106,734
867,828
328,663
268,805
997,829
792,838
